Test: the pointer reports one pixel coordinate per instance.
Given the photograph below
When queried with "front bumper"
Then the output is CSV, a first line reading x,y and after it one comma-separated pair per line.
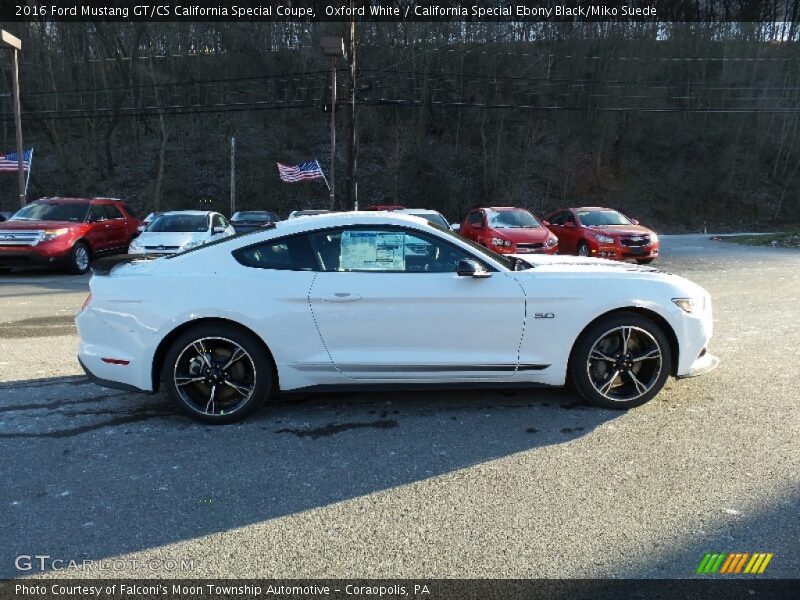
x,y
704,364
24,257
614,252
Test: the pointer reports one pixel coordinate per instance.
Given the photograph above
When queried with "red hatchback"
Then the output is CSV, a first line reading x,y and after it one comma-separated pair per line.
x,y
604,233
65,232
508,230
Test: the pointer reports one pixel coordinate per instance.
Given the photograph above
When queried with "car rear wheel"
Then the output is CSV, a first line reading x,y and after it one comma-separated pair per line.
x,y
217,374
79,259
583,249
644,261
621,362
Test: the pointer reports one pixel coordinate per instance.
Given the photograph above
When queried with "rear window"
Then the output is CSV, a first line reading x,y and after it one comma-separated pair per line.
x,y
291,253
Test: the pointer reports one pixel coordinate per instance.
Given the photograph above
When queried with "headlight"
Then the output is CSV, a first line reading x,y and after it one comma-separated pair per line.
x,y
551,242
689,305
52,234
653,238
135,245
603,239
501,242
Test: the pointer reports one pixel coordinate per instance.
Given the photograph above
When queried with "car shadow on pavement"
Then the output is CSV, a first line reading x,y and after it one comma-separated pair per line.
x,y
91,473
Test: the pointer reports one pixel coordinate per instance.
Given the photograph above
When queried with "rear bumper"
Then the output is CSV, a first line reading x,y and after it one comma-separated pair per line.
x,y
705,364
117,385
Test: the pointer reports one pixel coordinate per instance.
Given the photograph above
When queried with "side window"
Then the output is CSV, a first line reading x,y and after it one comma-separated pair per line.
x,y
475,218
570,218
223,222
111,211
97,213
216,221
290,253
385,250
558,218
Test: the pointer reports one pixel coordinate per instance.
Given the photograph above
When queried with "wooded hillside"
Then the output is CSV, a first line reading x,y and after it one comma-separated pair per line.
x,y
678,125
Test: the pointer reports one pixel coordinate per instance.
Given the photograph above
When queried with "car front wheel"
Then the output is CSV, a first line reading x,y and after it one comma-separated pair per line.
x,y
583,249
621,362
645,261
79,259
217,374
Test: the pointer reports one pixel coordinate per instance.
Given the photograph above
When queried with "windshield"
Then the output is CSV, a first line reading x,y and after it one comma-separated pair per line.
x,y
182,223
252,216
512,219
432,217
592,218
508,263
52,211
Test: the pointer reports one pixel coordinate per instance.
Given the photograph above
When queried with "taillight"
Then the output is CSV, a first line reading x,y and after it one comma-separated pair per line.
x,y
87,302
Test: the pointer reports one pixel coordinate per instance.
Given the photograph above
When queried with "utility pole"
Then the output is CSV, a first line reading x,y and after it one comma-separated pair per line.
x,y
332,202
352,182
233,175
16,45
334,48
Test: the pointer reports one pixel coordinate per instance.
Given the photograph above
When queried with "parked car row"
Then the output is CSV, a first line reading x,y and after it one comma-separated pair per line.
x,y
71,232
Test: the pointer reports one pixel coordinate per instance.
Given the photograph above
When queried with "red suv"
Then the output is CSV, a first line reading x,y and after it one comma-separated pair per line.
x,y
508,230
65,232
603,232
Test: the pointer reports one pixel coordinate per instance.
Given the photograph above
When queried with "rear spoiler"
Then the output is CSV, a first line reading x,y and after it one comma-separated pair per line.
x,y
104,266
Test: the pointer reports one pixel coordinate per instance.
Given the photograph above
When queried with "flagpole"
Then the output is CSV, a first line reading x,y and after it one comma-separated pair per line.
x,y
325,179
30,166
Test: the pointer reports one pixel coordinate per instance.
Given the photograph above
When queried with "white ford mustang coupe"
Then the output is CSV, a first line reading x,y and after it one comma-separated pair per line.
x,y
379,299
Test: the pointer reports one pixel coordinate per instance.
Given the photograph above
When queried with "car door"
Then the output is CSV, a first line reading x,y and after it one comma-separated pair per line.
x,y
475,225
567,235
96,234
389,306
116,227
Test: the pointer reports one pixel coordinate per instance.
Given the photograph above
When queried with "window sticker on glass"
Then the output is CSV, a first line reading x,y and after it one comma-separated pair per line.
x,y
372,251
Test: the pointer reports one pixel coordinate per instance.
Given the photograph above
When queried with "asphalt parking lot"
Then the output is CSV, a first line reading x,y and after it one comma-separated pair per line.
x,y
446,484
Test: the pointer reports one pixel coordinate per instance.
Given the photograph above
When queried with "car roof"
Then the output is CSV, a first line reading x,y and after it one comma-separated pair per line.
x,y
412,211
500,208
61,200
594,208
344,219
190,212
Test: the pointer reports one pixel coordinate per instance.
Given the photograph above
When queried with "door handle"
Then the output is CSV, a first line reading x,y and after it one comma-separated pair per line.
x,y
340,297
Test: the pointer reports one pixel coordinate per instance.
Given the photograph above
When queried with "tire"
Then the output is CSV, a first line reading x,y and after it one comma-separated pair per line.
x,y
583,249
195,375
599,353
80,257
644,261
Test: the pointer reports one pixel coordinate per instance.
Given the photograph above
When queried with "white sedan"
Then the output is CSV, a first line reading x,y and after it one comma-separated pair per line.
x,y
181,230
336,301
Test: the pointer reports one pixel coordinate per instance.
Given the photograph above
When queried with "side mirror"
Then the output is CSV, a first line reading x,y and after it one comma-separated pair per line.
x,y
546,223
471,268
217,230
455,226
570,224
634,221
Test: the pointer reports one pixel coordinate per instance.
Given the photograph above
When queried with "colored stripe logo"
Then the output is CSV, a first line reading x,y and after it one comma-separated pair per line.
x,y
734,563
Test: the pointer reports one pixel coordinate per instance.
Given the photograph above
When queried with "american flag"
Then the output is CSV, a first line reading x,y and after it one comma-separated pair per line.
x,y
8,162
301,172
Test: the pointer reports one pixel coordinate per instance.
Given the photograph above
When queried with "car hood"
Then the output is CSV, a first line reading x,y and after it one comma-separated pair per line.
x,y
36,225
523,235
618,230
170,238
581,264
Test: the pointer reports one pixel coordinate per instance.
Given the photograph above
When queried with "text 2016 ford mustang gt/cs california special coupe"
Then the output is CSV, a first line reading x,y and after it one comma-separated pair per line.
x,y
368,299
